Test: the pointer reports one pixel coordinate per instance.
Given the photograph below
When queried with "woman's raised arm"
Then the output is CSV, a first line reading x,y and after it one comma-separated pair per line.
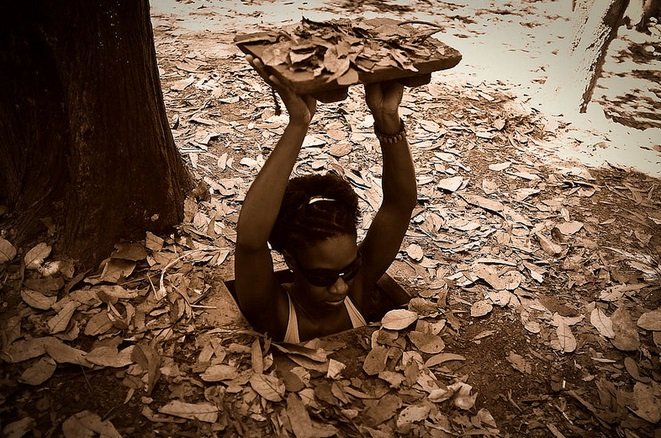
x,y
387,231
255,282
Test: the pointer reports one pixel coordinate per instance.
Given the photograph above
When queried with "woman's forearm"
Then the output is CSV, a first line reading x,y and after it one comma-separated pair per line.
x,y
399,184
262,202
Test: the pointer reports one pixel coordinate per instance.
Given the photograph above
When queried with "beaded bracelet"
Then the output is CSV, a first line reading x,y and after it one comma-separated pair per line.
x,y
392,139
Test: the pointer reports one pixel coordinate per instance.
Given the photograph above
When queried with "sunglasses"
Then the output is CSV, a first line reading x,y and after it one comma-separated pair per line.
x,y
328,277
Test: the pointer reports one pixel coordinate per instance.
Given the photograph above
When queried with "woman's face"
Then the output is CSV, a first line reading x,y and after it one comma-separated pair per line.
x,y
316,270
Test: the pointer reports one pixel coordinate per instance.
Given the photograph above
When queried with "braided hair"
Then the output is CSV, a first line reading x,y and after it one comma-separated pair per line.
x,y
314,208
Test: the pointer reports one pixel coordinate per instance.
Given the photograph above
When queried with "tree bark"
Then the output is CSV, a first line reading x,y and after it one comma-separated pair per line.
x,y
84,136
572,78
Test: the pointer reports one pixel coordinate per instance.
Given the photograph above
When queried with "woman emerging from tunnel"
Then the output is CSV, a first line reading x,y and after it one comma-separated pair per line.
x,y
312,220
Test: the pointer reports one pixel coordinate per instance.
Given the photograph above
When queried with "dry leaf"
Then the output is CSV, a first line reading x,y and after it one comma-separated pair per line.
x,y
269,387
632,368
63,353
375,362
519,363
86,424
648,401
340,149
24,349
485,203
98,324
153,242
450,184
442,358
548,246
602,323
398,319
462,398
427,342
412,414
39,371
489,187
36,256
626,333
117,269
415,252
315,354
37,300
650,320
107,356
569,228
301,424
7,251
335,369
500,166
384,409
566,341
150,361
60,321
219,373
393,378
256,358
19,428
129,251
481,308
206,412
485,417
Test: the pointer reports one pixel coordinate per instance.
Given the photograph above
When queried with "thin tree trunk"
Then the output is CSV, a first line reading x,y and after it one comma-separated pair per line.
x,y
572,77
84,137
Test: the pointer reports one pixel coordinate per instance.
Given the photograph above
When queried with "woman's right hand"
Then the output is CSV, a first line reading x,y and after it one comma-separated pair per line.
x,y
301,108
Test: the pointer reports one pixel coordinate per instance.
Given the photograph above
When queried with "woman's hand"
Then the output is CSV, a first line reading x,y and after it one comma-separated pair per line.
x,y
383,99
301,108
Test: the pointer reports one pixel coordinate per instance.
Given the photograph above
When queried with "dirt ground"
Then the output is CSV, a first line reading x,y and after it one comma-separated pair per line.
x,y
536,282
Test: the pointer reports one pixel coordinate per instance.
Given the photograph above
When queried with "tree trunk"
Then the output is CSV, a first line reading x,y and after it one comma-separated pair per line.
x,y
572,77
84,137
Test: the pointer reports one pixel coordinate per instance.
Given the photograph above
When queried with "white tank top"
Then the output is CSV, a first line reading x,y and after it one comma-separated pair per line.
x,y
292,335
